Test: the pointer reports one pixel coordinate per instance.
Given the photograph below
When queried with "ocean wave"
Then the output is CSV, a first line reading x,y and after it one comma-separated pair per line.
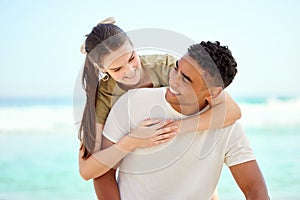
x,y
36,119
272,112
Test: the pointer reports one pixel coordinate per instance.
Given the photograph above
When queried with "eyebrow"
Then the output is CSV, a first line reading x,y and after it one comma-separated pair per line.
x,y
114,68
184,75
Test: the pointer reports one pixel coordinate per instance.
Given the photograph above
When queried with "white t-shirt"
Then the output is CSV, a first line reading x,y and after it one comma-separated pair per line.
x,y
188,167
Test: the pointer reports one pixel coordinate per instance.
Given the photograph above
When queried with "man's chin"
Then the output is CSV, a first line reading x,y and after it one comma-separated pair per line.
x,y
171,98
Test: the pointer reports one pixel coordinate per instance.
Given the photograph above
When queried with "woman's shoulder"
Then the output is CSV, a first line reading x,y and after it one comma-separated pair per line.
x,y
108,86
157,59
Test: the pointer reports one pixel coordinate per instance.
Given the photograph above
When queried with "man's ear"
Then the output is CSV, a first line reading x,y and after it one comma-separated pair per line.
x,y
214,92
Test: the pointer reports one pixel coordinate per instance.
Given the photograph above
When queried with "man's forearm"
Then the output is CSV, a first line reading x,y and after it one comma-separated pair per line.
x,y
258,196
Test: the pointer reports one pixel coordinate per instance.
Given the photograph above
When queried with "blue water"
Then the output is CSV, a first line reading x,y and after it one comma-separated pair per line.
x,y
39,149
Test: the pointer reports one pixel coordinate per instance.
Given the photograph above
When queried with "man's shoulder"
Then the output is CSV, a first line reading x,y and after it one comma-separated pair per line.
x,y
146,92
234,127
136,97
232,130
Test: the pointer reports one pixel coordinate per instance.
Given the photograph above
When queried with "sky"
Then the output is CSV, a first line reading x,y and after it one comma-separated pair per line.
x,y
40,40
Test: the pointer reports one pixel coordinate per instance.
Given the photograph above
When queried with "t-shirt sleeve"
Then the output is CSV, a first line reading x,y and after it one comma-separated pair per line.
x,y
170,63
238,149
166,65
161,65
117,123
106,97
102,106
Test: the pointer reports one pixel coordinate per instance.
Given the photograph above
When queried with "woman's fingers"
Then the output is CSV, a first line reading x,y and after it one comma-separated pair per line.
x,y
156,123
163,123
166,136
152,132
163,138
149,122
166,130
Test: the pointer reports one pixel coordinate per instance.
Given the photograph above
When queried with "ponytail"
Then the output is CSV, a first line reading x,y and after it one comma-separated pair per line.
x,y
87,130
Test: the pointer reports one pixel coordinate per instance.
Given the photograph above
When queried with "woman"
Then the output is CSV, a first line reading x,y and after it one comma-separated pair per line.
x,y
110,54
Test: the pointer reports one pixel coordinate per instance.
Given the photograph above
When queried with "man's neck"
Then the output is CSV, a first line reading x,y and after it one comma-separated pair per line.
x,y
189,109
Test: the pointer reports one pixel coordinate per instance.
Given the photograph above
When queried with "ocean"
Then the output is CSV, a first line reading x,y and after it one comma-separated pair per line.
x,y
39,149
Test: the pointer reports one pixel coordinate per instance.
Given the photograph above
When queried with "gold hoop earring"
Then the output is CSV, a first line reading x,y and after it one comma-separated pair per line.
x,y
103,76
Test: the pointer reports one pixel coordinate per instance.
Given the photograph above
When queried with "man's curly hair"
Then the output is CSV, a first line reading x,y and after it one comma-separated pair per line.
x,y
215,59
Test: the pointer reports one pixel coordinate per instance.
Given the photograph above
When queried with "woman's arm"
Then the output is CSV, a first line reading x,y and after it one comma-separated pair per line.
x,y
102,161
147,133
224,111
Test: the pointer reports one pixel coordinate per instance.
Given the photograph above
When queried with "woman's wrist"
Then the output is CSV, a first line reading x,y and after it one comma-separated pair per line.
x,y
126,143
188,125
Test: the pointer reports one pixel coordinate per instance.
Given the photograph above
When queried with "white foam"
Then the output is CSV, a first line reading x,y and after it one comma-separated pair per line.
x,y
273,112
41,119
36,118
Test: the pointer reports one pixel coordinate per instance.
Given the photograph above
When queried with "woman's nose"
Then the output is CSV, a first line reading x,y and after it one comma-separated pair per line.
x,y
129,68
174,79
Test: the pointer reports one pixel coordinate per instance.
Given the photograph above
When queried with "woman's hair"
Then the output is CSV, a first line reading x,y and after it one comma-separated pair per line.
x,y
103,39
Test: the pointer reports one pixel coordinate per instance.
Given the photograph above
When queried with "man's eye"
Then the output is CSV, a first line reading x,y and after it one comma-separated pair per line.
x,y
185,80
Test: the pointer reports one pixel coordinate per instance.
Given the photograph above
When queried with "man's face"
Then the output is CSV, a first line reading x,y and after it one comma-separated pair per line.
x,y
187,86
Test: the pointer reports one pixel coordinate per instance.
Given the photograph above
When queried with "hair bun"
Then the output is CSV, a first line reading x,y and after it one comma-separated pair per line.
x,y
110,20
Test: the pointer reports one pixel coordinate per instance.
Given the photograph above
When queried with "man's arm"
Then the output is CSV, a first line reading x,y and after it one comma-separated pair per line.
x,y
250,180
106,186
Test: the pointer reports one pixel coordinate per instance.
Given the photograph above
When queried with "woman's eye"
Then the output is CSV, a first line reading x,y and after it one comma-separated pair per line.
x,y
117,69
131,59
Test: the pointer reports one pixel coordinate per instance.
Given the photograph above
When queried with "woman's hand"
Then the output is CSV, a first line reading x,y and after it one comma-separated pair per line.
x,y
152,132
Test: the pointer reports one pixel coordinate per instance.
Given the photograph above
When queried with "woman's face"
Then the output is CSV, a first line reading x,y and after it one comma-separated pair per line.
x,y
123,65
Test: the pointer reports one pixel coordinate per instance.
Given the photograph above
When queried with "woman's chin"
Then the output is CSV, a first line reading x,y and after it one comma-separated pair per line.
x,y
130,82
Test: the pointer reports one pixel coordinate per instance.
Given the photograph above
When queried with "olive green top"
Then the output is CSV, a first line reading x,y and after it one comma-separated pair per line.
x,y
157,67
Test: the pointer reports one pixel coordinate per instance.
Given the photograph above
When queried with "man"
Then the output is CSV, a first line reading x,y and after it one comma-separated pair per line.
x,y
189,166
